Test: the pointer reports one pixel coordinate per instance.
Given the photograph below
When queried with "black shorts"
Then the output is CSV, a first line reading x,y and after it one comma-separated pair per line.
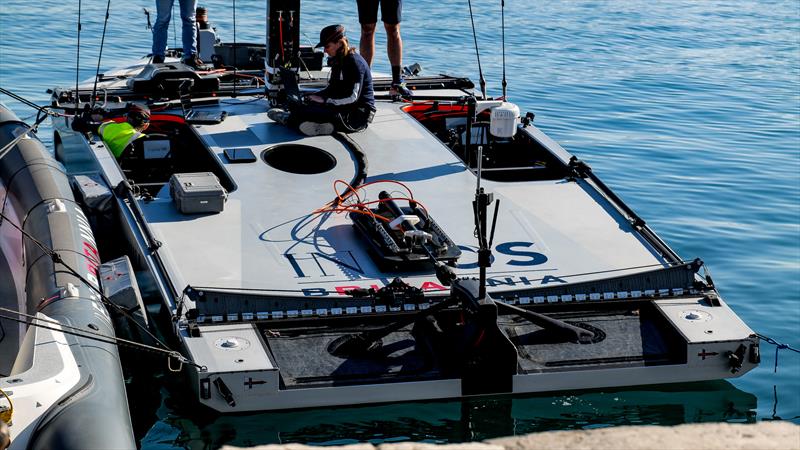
x,y
390,11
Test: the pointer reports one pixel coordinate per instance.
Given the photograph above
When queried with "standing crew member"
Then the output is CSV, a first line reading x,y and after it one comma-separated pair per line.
x,y
188,32
119,135
391,12
347,104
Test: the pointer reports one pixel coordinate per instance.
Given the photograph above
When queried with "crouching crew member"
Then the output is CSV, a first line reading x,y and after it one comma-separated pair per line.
x,y
119,135
347,104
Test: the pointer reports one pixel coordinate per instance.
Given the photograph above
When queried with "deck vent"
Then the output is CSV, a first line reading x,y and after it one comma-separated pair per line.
x,y
301,159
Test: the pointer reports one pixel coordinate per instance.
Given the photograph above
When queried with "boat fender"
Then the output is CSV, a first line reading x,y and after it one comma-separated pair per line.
x,y
92,193
97,202
120,287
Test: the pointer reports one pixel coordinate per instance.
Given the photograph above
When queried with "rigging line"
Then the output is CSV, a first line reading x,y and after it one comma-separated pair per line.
x,y
56,258
95,336
78,60
778,347
21,136
23,100
222,288
477,54
597,272
503,28
235,61
147,15
266,47
100,55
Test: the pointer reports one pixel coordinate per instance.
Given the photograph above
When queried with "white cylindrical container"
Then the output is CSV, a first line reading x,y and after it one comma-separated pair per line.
x,y
504,120
205,43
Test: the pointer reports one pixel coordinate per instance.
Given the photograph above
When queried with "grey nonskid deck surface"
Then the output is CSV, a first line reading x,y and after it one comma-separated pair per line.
x,y
268,238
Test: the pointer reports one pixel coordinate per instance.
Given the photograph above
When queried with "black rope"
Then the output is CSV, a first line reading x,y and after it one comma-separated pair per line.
x,y
477,54
24,101
10,180
503,28
235,61
115,340
78,61
100,55
778,347
56,258
265,290
39,119
147,15
266,46
95,336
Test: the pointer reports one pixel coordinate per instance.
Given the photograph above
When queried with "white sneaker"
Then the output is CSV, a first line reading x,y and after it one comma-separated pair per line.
x,y
278,115
316,129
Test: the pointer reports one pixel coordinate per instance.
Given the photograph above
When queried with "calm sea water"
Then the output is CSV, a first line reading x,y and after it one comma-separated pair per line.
x,y
690,110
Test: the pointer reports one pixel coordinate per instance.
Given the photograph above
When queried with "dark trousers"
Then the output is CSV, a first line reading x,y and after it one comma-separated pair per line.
x,y
344,120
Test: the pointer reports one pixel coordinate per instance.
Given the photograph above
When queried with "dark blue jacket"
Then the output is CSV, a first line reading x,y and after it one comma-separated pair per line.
x,y
350,84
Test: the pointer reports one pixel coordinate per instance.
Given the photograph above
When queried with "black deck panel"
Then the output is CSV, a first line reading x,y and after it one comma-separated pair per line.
x,y
304,360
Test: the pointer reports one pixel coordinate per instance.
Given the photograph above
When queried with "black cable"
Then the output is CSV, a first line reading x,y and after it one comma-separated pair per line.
x,y
503,28
56,257
477,54
78,61
266,49
27,102
147,15
267,290
99,337
39,119
778,347
235,61
100,55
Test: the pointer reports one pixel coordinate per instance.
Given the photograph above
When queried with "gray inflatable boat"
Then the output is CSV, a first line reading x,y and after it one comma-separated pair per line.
x,y
67,391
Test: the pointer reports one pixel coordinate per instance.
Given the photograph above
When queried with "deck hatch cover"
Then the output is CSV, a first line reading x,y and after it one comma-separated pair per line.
x,y
299,159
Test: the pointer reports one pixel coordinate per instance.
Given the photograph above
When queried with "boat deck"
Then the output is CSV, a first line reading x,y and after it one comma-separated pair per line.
x,y
268,237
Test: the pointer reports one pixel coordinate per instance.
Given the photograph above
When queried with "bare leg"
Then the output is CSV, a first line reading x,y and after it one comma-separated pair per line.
x,y
394,44
367,43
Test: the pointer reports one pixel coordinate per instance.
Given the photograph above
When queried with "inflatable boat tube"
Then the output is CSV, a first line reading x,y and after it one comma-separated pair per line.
x,y
68,392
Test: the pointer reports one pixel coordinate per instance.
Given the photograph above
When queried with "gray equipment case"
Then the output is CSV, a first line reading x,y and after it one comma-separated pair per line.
x,y
197,193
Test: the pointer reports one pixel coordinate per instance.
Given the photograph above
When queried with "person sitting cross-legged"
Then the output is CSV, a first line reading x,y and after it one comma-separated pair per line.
x,y
347,104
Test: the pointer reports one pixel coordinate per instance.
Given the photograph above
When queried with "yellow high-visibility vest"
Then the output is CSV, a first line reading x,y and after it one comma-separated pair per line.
x,y
117,136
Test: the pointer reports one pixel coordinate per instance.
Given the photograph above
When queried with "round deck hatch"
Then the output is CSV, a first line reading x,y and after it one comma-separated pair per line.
x,y
300,159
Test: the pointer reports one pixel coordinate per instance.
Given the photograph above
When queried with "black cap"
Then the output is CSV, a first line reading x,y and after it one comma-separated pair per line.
x,y
138,114
330,33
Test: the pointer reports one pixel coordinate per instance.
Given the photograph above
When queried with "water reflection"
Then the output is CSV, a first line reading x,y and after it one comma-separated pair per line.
x,y
455,421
